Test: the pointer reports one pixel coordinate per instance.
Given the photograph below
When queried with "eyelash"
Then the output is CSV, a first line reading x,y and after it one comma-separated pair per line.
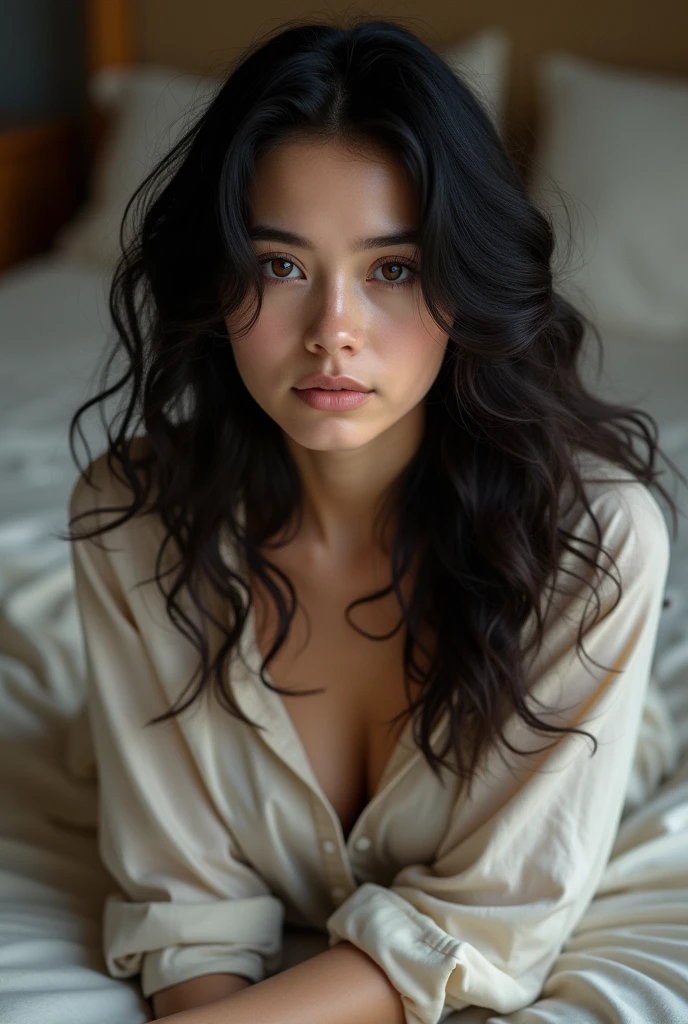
x,y
269,257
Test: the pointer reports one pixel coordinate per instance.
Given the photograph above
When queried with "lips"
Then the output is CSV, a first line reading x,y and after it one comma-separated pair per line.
x,y
332,382
332,401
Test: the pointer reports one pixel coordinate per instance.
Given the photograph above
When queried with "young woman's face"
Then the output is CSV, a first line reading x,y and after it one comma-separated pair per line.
x,y
331,307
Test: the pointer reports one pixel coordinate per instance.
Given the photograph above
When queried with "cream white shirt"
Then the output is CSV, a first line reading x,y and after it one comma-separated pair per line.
x,y
218,834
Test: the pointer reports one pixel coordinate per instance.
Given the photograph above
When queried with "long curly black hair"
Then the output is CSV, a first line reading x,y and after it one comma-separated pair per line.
x,y
481,499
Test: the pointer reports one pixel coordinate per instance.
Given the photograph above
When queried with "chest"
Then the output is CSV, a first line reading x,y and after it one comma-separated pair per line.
x,y
346,729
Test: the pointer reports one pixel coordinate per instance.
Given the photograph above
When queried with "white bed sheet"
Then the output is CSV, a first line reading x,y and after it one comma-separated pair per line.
x,y
628,959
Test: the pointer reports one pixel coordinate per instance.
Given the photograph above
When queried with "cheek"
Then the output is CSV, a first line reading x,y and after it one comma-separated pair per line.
x,y
414,354
261,350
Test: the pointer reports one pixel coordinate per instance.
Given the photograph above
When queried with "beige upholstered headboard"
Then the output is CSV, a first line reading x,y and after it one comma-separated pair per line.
x,y
206,36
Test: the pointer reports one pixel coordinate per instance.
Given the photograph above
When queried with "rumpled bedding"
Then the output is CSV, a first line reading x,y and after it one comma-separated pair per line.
x,y
626,962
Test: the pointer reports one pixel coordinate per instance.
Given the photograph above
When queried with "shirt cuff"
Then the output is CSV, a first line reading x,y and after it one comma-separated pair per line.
x,y
172,942
417,956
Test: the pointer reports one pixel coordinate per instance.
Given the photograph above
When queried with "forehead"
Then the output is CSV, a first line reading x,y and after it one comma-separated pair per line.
x,y
366,190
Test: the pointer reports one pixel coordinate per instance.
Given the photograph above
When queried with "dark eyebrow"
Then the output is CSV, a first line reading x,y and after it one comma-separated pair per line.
x,y
268,233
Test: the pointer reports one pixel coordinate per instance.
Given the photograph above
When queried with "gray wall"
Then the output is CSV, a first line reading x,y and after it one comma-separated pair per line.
x,y
43,57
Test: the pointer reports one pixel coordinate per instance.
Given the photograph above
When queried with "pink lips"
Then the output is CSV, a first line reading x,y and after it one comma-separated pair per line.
x,y
332,401
337,382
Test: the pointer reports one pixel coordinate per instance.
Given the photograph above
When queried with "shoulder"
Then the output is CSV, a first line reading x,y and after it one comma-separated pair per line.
x,y
100,498
100,485
617,561
631,522
608,586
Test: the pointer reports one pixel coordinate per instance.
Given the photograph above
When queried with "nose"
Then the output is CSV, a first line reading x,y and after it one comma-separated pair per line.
x,y
337,319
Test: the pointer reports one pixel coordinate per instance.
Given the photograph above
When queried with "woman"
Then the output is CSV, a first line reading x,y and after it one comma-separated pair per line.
x,y
413,557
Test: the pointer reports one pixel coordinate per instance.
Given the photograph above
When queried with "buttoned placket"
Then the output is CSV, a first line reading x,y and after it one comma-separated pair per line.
x,y
340,857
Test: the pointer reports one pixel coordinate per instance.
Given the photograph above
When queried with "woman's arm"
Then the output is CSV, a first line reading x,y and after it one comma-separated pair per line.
x,y
187,903
340,985
196,992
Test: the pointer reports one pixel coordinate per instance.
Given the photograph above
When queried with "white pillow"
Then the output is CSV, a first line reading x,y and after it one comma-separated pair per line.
x,y
617,144
150,107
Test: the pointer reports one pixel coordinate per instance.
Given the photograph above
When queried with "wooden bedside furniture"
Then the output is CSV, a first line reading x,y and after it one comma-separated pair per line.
x,y
38,182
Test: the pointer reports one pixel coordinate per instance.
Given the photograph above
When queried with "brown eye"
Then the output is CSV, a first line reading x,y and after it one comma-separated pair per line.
x,y
392,269
397,269
278,266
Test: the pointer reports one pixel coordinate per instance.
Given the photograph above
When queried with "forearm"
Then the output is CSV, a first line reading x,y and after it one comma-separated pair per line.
x,y
206,988
341,985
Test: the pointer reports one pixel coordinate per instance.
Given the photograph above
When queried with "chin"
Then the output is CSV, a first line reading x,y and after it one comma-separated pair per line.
x,y
330,437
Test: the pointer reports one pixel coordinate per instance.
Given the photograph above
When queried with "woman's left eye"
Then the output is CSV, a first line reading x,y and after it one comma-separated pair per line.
x,y
396,265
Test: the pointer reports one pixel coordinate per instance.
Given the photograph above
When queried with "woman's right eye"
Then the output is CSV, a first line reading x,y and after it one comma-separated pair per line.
x,y
281,275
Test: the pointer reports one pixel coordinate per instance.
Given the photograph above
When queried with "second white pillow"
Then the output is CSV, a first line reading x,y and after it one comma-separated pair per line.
x,y
617,144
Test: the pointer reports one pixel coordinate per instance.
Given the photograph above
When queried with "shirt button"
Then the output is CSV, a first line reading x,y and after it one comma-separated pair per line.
x,y
363,843
328,846
338,893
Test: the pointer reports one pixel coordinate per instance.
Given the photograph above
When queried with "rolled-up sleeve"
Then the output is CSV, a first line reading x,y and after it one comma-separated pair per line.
x,y
522,857
188,903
